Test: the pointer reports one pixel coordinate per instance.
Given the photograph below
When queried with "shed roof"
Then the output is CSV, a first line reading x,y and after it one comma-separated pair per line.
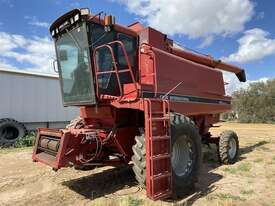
x,y
30,73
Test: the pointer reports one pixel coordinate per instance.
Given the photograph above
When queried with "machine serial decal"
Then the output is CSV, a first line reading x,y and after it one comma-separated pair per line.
x,y
180,98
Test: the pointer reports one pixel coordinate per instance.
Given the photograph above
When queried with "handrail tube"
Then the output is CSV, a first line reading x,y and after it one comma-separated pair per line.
x,y
116,71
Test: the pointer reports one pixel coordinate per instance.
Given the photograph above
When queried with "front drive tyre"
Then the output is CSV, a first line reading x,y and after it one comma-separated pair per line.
x,y
186,154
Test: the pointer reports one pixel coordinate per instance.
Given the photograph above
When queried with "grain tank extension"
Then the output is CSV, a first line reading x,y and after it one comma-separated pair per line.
x,y
142,101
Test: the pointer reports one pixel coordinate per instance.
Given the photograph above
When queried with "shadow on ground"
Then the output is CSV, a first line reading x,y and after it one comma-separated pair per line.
x,y
111,180
103,183
251,148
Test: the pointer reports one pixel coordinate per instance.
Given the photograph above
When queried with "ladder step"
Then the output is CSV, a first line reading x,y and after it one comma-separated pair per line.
x,y
160,118
161,156
162,195
161,175
158,138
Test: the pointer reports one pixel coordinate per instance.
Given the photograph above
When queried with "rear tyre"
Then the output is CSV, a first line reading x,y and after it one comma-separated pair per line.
x,y
10,131
186,155
228,147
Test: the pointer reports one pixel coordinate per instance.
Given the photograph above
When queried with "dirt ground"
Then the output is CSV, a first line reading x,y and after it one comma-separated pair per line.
x,y
251,181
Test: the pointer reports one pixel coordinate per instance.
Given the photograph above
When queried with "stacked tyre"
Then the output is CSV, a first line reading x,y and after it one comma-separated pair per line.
x,y
10,131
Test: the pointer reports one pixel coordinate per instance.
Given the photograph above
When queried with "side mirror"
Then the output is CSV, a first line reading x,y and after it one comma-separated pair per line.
x,y
55,65
63,56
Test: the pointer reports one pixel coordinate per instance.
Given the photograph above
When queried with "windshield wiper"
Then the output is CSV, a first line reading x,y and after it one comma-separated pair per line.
x,y
73,38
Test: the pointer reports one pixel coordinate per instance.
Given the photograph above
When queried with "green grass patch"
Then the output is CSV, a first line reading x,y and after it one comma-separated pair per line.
x,y
21,144
273,158
231,170
26,141
244,167
134,201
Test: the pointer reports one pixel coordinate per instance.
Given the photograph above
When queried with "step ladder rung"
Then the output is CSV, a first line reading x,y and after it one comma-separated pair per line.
x,y
160,156
163,194
161,175
158,138
160,118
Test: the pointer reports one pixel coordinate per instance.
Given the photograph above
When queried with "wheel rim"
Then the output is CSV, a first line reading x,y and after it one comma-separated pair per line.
x,y
182,156
232,148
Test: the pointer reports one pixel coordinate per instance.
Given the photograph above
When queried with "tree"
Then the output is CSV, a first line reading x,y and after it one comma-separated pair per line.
x,y
256,104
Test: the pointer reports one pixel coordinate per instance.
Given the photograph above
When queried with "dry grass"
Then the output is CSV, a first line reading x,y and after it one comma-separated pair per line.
x,y
251,181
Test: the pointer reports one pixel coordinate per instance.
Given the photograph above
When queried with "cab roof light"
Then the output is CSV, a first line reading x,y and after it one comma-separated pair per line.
x,y
109,20
76,17
84,11
72,20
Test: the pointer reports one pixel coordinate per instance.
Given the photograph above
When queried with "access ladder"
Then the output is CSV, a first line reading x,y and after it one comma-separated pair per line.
x,y
158,149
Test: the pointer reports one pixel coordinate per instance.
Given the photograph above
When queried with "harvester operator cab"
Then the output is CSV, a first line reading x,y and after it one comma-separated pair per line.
x,y
89,51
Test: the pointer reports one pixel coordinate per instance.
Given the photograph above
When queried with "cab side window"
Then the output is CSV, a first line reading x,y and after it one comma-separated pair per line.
x,y
130,47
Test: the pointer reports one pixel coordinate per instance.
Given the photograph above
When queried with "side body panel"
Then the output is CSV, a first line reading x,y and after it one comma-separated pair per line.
x,y
192,88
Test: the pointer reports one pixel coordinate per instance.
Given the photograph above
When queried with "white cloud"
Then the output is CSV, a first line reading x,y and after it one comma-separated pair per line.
x,y
199,18
254,45
17,49
207,42
234,84
7,42
35,22
40,24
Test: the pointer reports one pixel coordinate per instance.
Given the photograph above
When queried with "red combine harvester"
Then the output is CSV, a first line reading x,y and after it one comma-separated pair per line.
x,y
141,99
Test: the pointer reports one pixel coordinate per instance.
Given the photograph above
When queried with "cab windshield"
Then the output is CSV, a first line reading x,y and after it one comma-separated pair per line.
x,y
75,72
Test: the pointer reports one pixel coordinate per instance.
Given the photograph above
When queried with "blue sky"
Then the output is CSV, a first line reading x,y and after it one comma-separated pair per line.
x,y
238,31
